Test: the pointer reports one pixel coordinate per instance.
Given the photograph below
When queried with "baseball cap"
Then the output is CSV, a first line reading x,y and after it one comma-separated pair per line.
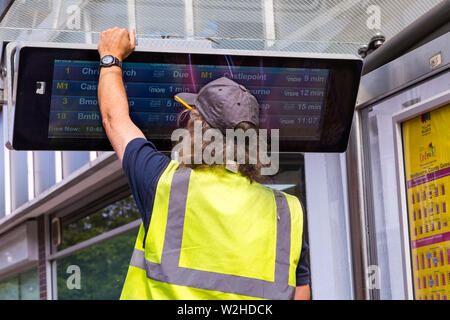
x,y
224,104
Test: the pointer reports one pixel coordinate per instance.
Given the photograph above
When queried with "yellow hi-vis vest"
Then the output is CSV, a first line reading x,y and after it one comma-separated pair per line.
x,y
214,235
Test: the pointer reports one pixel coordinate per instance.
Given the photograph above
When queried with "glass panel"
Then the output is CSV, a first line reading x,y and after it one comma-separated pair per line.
x,y
15,251
338,26
29,285
328,225
156,18
100,15
313,25
19,179
230,19
291,176
73,160
383,211
9,289
106,219
24,286
101,270
426,142
44,171
2,166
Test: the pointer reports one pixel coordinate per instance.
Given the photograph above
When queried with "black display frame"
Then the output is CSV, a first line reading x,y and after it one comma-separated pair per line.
x,y
36,65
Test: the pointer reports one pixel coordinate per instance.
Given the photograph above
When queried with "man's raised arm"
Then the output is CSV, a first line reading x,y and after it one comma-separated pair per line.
x,y
112,97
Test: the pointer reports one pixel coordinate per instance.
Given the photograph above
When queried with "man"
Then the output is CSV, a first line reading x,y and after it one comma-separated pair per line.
x,y
207,232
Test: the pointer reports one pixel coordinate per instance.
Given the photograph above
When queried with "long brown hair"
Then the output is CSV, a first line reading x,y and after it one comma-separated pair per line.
x,y
249,170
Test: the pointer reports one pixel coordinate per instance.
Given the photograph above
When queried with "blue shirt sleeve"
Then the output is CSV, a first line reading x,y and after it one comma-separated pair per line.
x,y
143,166
302,273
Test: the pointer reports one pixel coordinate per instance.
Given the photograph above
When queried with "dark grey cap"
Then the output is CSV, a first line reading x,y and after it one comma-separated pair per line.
x,y
224,104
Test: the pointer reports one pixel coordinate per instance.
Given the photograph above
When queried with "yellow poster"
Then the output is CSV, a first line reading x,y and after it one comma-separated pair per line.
x,y
426,141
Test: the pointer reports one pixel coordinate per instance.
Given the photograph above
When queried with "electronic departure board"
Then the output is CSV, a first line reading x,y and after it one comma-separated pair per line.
x,y
310,100
290,99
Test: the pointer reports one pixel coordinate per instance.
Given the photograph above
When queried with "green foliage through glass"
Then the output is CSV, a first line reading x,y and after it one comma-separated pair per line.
x,y
24,286
99,270
115,215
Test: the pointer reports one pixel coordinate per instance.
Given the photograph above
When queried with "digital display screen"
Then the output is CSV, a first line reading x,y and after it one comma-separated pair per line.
x,y
310,99
290,99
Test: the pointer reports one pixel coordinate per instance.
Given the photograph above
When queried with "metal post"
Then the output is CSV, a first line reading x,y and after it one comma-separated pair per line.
x,y
357,223
131,7
269,22
189,19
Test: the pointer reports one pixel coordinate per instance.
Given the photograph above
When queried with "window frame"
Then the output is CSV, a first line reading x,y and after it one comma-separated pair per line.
x,y
398,119
52,255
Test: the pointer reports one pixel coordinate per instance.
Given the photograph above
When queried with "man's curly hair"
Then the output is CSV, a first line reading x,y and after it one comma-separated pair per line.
x,y
188,118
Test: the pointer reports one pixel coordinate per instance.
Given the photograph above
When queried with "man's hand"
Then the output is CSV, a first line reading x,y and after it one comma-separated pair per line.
x,y
303,293
117,42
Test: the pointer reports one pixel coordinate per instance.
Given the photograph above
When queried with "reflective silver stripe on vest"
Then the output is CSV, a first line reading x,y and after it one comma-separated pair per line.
x,y
169,271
